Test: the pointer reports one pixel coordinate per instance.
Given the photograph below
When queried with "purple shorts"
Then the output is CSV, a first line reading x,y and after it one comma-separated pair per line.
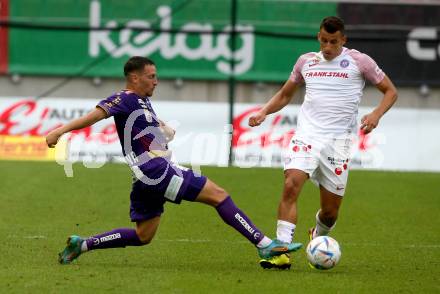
x,y
163,183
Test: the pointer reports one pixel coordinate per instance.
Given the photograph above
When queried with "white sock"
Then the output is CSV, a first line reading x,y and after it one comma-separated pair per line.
x,y
84,246
264,242
321,229
285,231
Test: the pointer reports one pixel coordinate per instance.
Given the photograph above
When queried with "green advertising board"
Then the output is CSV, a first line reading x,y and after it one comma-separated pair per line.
x,y
202,55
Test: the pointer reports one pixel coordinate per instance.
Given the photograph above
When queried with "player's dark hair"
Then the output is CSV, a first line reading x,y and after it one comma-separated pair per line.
x,y
136,63
332,24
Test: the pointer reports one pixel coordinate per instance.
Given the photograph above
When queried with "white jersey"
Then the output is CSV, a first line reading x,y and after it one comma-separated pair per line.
x,y
333,91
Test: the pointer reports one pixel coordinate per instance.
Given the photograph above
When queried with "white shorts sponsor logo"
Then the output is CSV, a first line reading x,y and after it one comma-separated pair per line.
x,y
173,188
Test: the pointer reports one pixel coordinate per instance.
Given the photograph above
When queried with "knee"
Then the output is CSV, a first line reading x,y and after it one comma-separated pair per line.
x,y
218,195
212,194
219,192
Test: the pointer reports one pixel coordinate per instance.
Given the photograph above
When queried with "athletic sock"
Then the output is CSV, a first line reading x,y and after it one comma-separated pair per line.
x,y
234,217
264,242
114,239
322,229
285,231
84,247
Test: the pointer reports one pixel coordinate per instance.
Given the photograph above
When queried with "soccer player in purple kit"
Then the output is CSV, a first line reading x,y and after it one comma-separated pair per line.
x,y
156,179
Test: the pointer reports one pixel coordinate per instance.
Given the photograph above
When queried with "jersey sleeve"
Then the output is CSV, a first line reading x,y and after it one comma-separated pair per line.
x,y
113,105
370,69
296,75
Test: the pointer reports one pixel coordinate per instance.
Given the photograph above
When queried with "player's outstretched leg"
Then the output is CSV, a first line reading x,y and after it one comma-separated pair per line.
x,y
113,239
215,196
237,219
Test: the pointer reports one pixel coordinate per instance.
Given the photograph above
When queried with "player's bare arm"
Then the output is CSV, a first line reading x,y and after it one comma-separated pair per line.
x,y
371,120
276,103
87,120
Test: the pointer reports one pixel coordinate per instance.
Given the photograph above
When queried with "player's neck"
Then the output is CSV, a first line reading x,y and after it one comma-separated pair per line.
x,y
133,89
336,55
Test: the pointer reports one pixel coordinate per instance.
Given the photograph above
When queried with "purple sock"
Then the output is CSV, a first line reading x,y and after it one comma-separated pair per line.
x,y
234,217
114,239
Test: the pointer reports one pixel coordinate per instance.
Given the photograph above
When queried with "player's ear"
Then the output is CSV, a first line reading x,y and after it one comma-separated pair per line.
x,y
344,39
318,36
133,77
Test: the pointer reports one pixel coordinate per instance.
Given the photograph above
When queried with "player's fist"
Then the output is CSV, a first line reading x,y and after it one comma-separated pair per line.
x,y
369,122
52,138
257,119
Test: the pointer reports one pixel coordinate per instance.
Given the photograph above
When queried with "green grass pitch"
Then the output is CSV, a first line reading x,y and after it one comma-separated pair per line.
x,y
389,231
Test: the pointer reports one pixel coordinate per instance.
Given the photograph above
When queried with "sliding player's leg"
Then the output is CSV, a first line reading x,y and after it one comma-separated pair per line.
x,y
217,197
117,238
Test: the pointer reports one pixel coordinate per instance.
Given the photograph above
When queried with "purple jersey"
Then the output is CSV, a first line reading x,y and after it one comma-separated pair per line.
x,y
138,128
155,178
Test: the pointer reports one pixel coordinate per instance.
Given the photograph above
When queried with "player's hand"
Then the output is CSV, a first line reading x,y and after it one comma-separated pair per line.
x,y
257,119
52,138
167,132
369,122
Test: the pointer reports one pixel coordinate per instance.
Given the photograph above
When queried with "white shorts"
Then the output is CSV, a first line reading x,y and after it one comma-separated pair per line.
x,y
325,160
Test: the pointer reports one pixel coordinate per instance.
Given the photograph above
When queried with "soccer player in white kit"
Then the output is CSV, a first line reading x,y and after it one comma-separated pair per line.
x,y
327,121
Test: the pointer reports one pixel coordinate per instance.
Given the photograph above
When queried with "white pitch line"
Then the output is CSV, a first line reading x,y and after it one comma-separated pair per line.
x,y
35,237
26,237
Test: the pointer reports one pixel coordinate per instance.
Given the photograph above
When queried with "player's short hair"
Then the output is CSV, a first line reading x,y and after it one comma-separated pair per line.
x,y
136,63
332,24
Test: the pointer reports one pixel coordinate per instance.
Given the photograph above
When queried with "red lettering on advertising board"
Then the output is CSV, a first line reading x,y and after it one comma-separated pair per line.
x,y
265,139
27,106
14,116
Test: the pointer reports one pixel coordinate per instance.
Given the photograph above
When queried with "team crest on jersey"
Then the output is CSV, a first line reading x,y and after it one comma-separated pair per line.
x,y
314,62
344,63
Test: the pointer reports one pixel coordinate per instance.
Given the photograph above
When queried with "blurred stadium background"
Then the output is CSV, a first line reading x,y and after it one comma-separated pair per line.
x,y
58,58
63,56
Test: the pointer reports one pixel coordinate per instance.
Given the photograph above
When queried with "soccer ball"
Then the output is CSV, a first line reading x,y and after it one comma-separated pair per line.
x,y
323,252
